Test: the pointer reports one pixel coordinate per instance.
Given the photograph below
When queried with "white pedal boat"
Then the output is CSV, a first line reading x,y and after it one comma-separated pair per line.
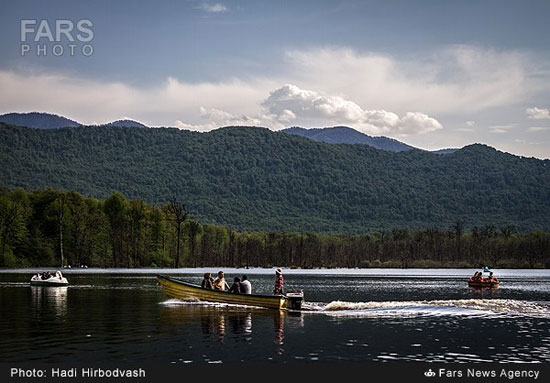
x,y
55,280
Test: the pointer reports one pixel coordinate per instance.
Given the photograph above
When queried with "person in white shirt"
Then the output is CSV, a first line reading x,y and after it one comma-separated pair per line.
x,y
246,287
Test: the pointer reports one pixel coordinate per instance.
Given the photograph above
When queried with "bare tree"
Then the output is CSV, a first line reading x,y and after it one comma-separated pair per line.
x,y
180,215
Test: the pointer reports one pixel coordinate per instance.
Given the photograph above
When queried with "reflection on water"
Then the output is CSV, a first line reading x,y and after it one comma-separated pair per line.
x,y
217,321
49,299
484,292
407,315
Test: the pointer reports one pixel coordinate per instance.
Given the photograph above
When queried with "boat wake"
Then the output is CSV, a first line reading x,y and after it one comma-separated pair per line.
x,y
190,302
456,307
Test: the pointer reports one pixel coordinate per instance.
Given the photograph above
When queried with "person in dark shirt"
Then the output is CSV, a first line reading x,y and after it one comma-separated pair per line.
x,y
207,281
236,286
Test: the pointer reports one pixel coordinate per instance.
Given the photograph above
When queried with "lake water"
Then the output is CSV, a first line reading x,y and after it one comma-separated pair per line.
x,y
350,315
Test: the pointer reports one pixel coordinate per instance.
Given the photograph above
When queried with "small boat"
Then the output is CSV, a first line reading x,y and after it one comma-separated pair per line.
x,y
483,279
483,282
175,288
54,280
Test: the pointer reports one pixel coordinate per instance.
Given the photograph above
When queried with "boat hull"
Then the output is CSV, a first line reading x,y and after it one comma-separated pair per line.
x,y
482,284
187,291
46,283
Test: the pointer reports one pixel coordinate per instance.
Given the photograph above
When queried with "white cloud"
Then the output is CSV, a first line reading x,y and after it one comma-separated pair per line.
x,y
469,126
202,106
455,80
213,7
373,92
160,105
535,113
310,107
501,128
538,128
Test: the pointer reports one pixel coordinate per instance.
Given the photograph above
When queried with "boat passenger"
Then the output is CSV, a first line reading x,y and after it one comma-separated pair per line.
x,y
246,287
236,286
279,282
220,283
490,276
208,281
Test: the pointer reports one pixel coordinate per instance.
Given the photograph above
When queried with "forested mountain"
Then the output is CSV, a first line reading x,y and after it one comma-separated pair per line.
x,y
256,179
53,121
127,124
346,135
445,151
38,120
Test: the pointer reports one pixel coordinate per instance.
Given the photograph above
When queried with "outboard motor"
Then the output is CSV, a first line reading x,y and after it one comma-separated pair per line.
x,y
295,298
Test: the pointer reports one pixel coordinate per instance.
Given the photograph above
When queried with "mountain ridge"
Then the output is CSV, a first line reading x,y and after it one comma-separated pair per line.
x,y
44,120
38,120
347,135
256,179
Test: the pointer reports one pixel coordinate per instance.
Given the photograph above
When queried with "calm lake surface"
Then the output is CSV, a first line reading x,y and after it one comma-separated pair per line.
x,y
351,315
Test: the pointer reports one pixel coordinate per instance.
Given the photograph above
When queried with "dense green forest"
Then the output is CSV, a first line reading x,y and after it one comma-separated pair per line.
x,y
49,227
256,179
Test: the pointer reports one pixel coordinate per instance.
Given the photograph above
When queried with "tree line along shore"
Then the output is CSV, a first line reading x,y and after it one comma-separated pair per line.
x,y
49,227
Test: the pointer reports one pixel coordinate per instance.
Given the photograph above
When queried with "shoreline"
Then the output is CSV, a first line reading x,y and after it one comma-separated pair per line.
x,y
378,272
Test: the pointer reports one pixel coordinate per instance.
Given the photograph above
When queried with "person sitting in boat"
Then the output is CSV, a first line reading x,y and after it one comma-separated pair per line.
x,y
220,283
236,286
208,281
279,282
246,287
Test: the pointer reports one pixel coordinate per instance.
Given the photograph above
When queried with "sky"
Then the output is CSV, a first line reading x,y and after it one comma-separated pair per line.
x,y
433,74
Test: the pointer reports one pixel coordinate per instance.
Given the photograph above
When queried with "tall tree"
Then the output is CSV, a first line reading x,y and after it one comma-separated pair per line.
x,y
116,208
193,228
60,217
12,227
179,215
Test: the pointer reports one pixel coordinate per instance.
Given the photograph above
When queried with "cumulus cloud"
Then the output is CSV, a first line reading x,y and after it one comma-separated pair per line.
x,y
215,118
373,92
535,113
212,7
500,129
291,103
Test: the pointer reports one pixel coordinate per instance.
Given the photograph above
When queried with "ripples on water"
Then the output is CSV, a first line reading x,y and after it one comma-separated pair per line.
x,y
381,317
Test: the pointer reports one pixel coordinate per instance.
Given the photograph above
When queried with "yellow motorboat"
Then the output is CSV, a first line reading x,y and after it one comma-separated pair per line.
x,y
175,288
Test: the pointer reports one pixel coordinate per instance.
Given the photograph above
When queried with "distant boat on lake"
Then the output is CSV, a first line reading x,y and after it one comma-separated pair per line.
x,y
481,280
43,279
